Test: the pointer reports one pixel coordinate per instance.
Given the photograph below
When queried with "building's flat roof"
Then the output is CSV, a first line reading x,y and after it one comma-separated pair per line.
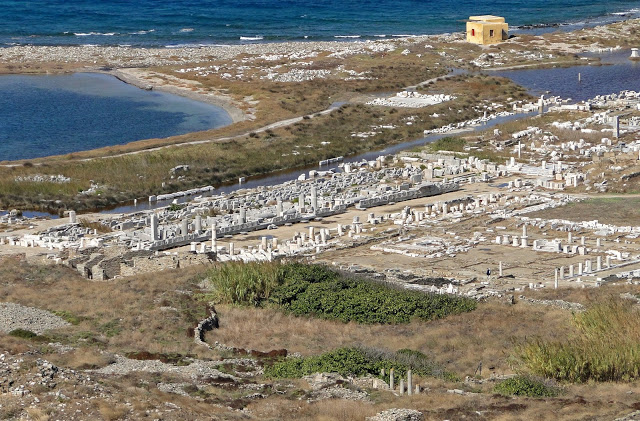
x,y
487,18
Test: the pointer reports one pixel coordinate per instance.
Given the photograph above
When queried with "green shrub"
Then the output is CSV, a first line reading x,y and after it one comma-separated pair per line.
x,y
605,346
111,328
23,333
319,291
525,386
68,317
323,293
454,144
357,362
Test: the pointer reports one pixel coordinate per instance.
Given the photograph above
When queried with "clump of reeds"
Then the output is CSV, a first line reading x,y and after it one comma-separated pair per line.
x,y
604,347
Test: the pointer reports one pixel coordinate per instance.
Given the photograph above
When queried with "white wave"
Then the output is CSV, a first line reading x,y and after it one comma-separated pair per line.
x,y
86,34
633,11
256,38
142,32
346,36
186,30
404,35
193,45
380,36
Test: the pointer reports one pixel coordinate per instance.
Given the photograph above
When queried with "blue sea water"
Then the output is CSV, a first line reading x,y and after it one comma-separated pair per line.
x,y
205,22
53,115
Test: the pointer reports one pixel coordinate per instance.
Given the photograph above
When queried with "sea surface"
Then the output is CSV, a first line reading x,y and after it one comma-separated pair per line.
x,y
155,23
54,115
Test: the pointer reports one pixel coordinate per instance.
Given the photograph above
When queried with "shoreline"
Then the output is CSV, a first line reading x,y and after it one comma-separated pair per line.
x,y
227,104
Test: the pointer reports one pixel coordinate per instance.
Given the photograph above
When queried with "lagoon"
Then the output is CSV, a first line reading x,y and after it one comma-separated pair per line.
x,y
617,73
60,114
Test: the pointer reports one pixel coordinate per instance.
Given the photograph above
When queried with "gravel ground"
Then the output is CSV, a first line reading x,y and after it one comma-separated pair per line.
x,y
14,316
197,369
398,415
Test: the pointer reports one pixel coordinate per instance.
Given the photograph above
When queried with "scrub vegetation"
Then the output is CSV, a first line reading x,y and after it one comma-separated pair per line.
x,y
314,290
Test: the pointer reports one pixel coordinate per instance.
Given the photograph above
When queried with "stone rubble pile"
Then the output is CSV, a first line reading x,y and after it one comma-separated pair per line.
x,y
398,415
15,316
20,378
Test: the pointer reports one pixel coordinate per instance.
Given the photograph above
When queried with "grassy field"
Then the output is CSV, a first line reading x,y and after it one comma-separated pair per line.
x,y
123,316
607,210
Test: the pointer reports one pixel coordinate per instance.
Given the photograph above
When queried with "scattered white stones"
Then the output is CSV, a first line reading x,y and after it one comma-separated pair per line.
x,y
297,75
408,99
38,178
396,414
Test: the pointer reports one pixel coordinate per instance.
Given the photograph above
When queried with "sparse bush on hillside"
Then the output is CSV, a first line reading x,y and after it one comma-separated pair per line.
x,y
23,333
319,291
525,386
69,317
604,347
358,362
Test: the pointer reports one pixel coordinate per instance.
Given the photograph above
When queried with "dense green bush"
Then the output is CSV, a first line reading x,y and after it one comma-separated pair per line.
x,y
525,386
357,362
319,291
23,333
604,347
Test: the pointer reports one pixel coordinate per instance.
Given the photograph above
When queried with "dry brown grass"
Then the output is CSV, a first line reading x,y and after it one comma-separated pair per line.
x,y
607,210
119,316
586,296
459,342
37,414
338,410
82,359
578,403
12,344
84,222
112,412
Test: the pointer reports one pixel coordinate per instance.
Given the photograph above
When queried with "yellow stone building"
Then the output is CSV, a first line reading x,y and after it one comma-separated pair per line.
x,y
487,29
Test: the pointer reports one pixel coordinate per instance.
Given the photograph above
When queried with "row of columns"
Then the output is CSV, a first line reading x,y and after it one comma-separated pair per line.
x,y
581,269
402,387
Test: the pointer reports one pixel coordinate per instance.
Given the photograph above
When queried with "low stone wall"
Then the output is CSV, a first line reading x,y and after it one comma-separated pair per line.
x,y
211,323
205,325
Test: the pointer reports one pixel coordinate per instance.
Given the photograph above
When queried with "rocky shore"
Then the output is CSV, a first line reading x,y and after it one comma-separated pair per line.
x,y
118,57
